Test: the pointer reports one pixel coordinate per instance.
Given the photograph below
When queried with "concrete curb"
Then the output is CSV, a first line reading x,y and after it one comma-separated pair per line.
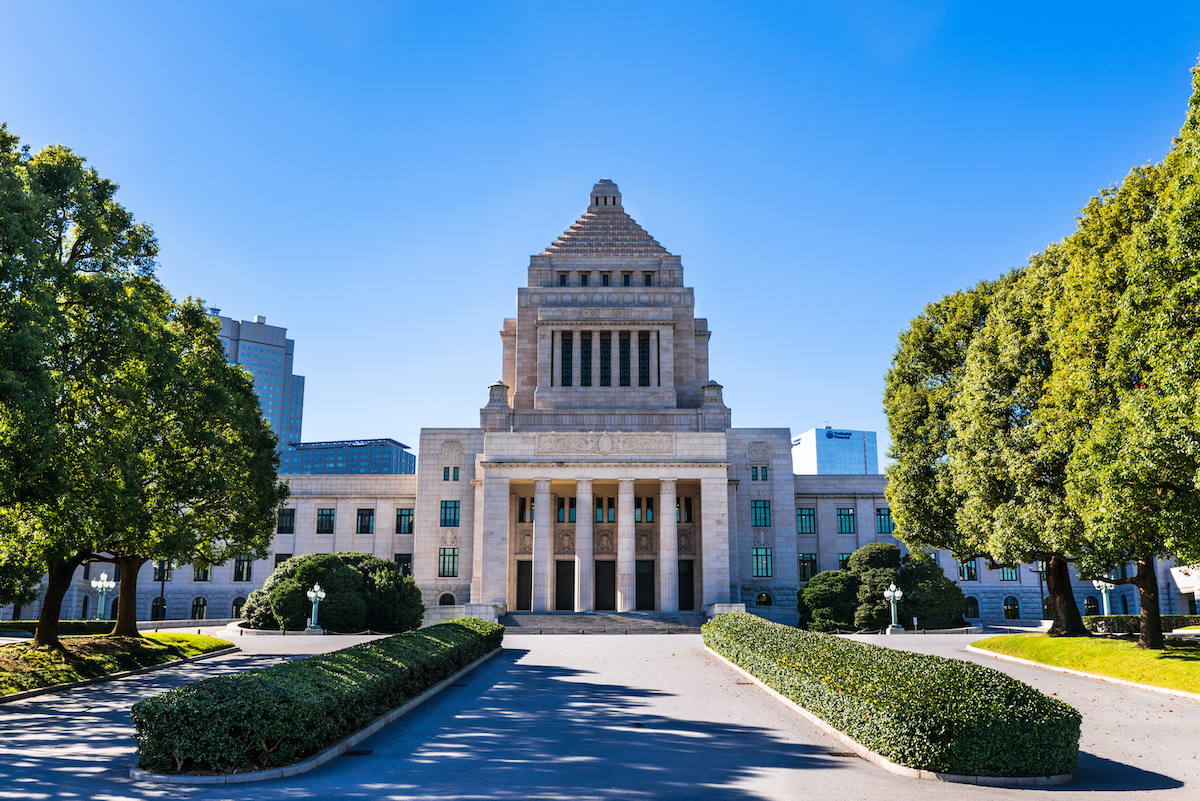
x,y
323,756
1098,676
881,761
58,688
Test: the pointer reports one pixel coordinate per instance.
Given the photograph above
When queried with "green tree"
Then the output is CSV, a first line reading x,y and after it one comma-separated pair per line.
x,y
828,601
934,600
876,566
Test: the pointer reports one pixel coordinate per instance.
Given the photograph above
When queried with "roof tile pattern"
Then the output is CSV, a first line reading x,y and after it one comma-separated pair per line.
x,y
605,231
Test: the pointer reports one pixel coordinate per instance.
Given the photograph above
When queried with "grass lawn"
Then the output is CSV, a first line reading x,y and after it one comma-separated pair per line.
x,y
1177,666
23,667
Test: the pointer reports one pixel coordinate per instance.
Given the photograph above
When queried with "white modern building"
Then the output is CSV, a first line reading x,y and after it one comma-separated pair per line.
x,y
835,451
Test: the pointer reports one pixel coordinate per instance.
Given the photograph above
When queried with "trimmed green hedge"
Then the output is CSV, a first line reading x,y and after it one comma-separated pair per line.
x,y
268,718
66,628
921,711
1132,624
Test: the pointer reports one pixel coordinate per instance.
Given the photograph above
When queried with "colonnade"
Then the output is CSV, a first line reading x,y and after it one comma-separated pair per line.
x,y
568,344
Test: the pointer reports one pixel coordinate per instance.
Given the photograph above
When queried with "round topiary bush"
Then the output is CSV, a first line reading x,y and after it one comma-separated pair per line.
x,y
362,591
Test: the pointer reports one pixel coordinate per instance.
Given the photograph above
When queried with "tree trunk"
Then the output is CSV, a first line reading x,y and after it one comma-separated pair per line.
x,y
126,623
46,633
1067,620
1146,580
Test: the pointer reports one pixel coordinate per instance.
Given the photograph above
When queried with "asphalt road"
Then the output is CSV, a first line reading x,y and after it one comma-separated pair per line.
x,y
591,717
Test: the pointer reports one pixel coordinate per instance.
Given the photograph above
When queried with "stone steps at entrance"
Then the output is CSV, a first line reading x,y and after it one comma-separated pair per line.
x,y
602,622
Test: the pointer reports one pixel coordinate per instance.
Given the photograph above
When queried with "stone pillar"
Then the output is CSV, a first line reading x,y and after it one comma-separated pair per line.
x,y
545,349
714,527
584,561
556,357
653,345
666,365
576,355
668,548
614,357
477,544
493,580
543,548
595,357
626,580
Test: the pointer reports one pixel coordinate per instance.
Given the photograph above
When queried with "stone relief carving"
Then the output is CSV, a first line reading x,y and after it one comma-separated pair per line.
x,y
605,443
451,450
566,542
644,542
525,540
604,541
450,539
605,314
762,538
758,451
685,542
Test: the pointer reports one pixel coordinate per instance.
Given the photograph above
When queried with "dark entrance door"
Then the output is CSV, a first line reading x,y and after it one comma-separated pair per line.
x,y
564,586
524,585
687,586
606,586
644,597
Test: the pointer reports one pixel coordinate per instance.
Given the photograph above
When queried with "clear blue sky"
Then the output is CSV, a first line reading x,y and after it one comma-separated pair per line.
x,y
375,176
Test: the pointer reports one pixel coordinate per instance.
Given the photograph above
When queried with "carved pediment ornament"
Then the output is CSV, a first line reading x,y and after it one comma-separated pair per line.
x,y
762,538
566,542
758,451
604,443
604,542
645,542
685,543
451,450
449,539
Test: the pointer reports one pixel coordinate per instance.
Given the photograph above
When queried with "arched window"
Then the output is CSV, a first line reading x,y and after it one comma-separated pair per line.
x,y
238,603
763,599
446,600
1091,606
158,609
85,607
1012,608
1125,604
199,607
972,607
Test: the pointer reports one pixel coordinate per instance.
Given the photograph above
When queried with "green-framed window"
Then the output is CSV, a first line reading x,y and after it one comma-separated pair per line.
x,y
760,513
845,521
806,521
449,517
762,562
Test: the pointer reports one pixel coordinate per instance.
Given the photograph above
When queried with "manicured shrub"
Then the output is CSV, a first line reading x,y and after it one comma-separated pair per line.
x,y
920,711
66,628
362,591
277,716
1132,624
828,601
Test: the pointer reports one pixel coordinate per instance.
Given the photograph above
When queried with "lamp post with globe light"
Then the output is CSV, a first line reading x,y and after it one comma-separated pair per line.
x,y
1105,588
894,594
316,595
102,585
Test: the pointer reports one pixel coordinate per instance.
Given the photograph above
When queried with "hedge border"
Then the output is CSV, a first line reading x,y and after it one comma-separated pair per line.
x,y
1099,676
881,761
70,685
321,757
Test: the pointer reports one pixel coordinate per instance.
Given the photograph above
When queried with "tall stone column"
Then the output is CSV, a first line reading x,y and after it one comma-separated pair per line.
x,y
576,355
626,580
543,548
556,357
668,548
595,357
494,560
714,527
614,357
666,353
545,352
584,562
477,543
653,346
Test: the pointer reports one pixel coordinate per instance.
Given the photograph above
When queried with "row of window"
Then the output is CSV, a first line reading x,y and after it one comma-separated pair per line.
x,y
606,279
806,521
758,473
446,473
968,570
242,570
606,510
624,349
364,521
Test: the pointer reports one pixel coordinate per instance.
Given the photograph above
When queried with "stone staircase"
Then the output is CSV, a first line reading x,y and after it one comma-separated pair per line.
x,y
603,622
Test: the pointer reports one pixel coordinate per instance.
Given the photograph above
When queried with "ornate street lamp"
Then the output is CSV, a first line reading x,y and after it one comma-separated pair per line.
x,y
1105,588
316,595
102,585
894,594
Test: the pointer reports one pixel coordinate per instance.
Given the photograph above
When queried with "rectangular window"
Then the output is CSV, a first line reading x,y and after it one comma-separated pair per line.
x,y
687,510
286,522
324,521
280,558
562,279
447,562
612,510
1008,573
521,513
585,360
568,344
583,279
87,574
762,473
808,566
201,573
760,513
445,474
454,474
806,521
571,510
637,510
967,570
643,360
366,522
883,521
649,510
647,278
604,279
162,570
623,359
626,279
845,519
606,359
404,521
562,510
754,474
450,515
242,568
762,562
404,563
599,510
843,560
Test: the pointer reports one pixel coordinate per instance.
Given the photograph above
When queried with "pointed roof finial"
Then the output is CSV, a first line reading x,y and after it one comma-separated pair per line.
x,y
605,196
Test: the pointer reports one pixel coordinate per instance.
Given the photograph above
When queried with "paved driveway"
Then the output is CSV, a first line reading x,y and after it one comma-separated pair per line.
x,y
647,716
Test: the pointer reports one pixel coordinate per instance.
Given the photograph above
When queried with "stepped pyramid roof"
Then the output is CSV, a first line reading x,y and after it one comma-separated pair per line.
x,y
605,230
